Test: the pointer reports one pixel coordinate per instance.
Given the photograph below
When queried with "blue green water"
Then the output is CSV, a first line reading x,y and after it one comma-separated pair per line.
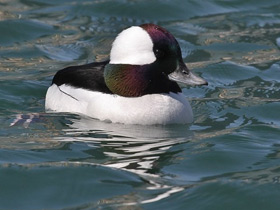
x,y
229,158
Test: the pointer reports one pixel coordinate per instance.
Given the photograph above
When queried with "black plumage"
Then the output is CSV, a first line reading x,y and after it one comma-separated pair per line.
x,y
89,76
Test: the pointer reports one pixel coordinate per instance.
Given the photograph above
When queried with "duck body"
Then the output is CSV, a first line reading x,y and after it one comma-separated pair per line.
x,y
136,86
145,110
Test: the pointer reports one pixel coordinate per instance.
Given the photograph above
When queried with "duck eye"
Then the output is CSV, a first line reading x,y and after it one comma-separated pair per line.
x,y
159,53
185,72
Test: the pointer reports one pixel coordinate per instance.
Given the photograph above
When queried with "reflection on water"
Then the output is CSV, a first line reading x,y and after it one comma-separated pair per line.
x,y
131,147
134,148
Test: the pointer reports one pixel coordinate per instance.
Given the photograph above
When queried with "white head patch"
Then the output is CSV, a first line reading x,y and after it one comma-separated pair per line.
x,y
132,46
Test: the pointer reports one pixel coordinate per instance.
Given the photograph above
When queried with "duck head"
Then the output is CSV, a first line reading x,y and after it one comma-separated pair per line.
x,y
147,59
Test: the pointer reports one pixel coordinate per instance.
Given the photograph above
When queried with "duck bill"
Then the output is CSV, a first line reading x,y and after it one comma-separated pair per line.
x,y
183,75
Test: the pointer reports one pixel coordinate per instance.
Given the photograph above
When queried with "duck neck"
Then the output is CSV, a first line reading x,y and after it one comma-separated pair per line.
x,y
137,80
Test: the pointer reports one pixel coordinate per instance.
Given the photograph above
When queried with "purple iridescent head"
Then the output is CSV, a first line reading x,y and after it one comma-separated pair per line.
x,y
147,59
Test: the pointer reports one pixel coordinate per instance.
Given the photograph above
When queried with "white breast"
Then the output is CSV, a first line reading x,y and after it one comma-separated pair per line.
x,y
146,110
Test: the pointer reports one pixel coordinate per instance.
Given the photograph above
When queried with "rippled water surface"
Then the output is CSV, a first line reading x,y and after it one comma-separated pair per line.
x,y
229,158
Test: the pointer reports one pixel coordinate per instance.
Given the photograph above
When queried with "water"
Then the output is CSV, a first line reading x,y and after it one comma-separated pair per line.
x,y
227,159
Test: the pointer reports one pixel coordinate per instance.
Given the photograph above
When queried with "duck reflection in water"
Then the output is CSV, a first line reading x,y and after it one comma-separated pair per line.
x,y
131,147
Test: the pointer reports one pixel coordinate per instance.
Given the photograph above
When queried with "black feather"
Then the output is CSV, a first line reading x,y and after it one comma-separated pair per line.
x,y
88,76
91,77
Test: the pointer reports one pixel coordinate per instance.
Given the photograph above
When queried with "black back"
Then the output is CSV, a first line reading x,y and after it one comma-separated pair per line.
x,y
89,76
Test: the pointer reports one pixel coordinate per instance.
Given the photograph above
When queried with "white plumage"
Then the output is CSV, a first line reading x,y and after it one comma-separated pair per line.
x,y
146,110
132,46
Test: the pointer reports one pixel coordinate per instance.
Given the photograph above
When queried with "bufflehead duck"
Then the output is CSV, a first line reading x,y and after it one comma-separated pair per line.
x,y
138,85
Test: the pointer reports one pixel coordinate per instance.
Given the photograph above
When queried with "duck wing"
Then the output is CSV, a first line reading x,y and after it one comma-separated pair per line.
x,y
89,76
